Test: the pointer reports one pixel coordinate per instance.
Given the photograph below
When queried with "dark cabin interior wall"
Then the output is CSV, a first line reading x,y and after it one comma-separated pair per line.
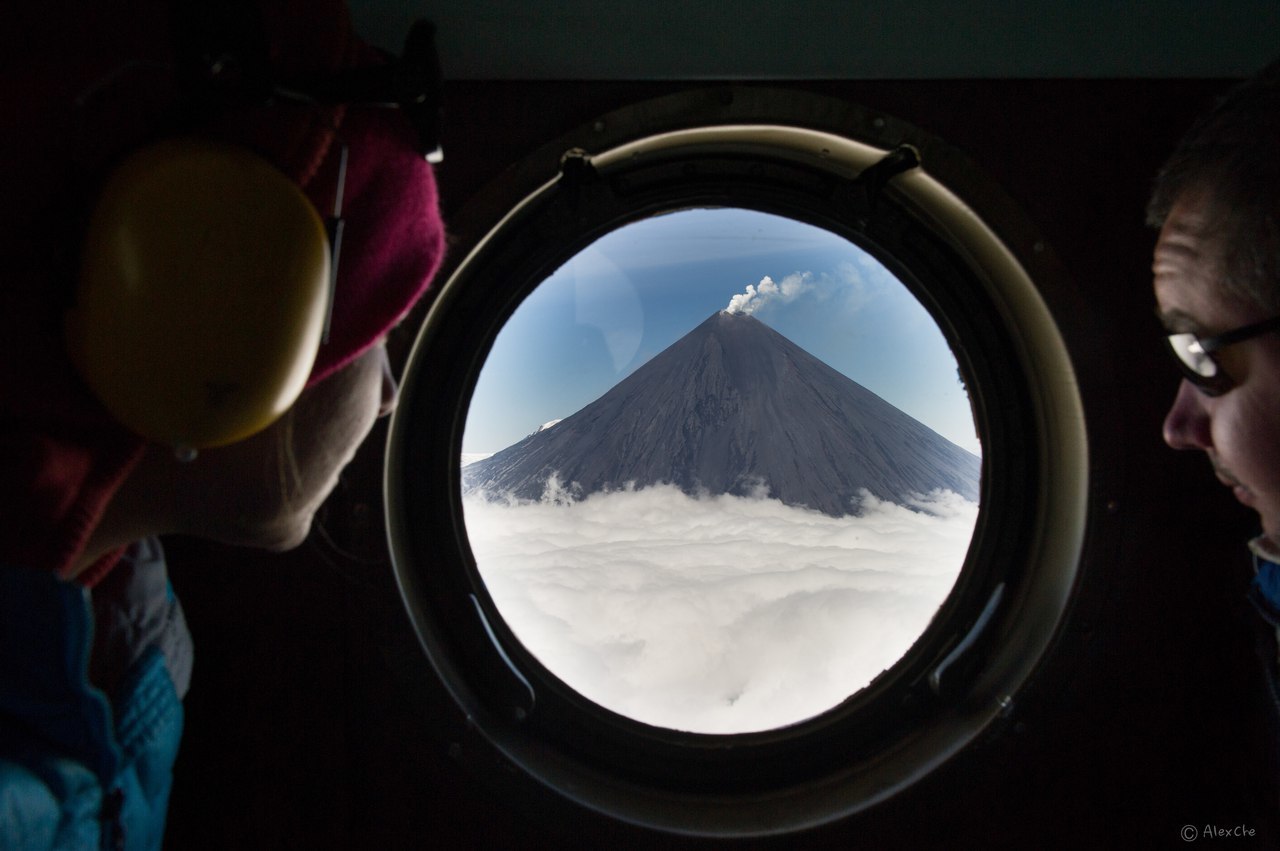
x,y
314,722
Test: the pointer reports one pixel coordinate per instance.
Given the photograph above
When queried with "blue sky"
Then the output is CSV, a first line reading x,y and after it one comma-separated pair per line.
x,y
640,288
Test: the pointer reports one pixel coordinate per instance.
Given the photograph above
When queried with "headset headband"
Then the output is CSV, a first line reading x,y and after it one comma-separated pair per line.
x,y
222,52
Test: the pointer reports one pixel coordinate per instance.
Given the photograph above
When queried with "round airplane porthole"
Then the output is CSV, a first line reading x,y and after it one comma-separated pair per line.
x,y
711,498
739,474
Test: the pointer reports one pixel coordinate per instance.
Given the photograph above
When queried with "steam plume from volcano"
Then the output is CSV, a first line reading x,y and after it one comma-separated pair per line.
x,y
758,295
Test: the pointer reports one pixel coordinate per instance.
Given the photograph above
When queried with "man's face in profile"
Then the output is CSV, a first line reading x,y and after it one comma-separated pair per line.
x,y
1239,430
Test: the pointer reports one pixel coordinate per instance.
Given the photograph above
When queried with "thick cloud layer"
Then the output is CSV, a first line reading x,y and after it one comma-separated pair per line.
x,y
717,614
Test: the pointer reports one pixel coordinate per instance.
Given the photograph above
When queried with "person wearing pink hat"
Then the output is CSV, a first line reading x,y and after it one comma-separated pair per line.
x,y
213,218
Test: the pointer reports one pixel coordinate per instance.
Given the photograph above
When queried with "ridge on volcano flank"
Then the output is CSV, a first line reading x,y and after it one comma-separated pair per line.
x,y
729,407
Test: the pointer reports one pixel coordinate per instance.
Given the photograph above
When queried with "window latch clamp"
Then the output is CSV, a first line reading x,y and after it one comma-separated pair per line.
x,y
862,192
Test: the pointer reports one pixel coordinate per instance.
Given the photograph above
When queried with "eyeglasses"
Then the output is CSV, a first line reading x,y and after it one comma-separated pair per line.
x,y
1195,355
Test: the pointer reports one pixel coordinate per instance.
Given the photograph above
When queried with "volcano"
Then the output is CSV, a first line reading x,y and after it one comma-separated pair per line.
x,y
734,407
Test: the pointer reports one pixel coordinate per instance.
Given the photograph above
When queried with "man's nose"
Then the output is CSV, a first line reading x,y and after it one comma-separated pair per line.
x,y
1186,426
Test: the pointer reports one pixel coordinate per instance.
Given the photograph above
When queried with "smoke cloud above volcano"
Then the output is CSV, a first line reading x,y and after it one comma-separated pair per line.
x,y
717,614
758,295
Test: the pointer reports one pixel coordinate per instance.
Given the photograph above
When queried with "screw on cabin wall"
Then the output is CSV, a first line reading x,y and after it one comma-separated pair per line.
x,y
1007,707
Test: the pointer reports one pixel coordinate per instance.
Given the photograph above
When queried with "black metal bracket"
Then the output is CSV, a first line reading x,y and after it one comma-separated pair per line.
x,y
860,194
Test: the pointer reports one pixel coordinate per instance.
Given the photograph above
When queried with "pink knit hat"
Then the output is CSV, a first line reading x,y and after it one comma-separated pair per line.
x,y
62,457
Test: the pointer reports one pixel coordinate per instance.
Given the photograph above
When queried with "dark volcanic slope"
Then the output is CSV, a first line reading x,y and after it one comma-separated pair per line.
x,y
731,404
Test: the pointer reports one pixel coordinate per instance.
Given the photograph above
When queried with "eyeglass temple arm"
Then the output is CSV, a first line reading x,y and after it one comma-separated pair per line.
x,y
1212,344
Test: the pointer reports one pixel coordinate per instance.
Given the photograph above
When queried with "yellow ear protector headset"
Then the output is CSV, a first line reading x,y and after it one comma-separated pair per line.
x,y
204,284
206,275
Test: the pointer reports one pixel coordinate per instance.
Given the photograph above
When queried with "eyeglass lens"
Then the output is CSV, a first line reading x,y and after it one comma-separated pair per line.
x,y
1191,353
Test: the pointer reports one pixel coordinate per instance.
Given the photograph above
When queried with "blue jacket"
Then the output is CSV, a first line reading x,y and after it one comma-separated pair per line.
x,y
90,706
1264,594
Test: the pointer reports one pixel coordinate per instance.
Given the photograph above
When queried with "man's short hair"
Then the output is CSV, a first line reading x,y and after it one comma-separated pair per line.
x,y
1232,155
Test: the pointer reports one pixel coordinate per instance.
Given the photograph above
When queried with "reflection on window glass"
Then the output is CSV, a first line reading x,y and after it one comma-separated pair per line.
x,y
720,471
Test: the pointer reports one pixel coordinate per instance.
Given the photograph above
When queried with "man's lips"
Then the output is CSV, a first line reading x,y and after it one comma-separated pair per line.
x,y
1241,491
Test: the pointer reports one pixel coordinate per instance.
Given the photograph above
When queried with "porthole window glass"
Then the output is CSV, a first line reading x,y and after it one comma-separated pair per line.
x,y
720,470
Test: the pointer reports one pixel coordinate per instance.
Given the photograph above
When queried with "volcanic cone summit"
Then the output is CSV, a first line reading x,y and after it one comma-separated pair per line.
x,y
733,407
